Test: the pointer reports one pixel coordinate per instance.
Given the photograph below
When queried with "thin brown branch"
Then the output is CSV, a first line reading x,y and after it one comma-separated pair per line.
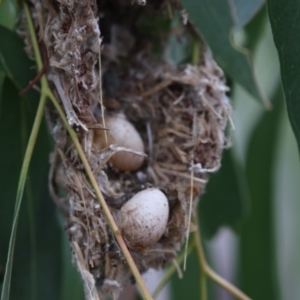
x,y
157,88
209,272
40,73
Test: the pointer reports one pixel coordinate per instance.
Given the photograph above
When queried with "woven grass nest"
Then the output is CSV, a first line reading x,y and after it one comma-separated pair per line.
x,y
179,112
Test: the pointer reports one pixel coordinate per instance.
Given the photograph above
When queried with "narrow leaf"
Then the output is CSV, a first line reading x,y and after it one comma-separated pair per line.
x,y
258,264
8,13
190,281
37,248
8,270
2,77
72,287
225,199
244,10
15,61
10,161
254,30
213,21
285,22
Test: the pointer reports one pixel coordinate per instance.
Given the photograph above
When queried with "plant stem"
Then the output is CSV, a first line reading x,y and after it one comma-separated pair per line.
x,y
34,42
225,284
203,285
196,52
201,259
164,281
171,270
209,272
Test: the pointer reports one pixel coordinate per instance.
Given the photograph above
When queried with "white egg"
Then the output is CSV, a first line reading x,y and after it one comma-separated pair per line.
x,y
143,218
122,132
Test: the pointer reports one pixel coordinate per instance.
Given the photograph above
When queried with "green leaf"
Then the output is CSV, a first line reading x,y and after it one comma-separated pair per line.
x,y
72,287
20,190
257,245
213,21
10,161
226,198
190,283
244,10
15,61
7,19
2,77
8,13
37,259
285,22
287,192
48,231
254,30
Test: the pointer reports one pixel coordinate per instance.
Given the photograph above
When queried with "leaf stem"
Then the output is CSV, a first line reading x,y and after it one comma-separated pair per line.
x,y
203,285
196,52
172,269
34,42
209,272
201,259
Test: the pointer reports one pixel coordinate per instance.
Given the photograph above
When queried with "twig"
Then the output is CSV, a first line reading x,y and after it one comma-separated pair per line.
x,y
171,270
196,52
171,172
41,72
189,219
201,259
35,80
101,94
203,285
157,88
209,272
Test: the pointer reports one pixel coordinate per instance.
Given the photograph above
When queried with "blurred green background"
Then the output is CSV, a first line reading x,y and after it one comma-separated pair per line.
x,y
250,212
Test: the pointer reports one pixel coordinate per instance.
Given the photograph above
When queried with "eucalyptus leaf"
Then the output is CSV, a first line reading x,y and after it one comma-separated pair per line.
x,y
10,162
226,196
7,19
257,257
244,10
72,287
48,231
37,260
254,30
5,294
189,284
213,21
2,77
8,13
15,62
285,22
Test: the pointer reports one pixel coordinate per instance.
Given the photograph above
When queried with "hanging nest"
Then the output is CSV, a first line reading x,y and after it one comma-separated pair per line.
x,y
179,112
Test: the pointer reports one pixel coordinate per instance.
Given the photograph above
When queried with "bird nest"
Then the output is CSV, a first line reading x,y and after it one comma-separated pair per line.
x,y
179,112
